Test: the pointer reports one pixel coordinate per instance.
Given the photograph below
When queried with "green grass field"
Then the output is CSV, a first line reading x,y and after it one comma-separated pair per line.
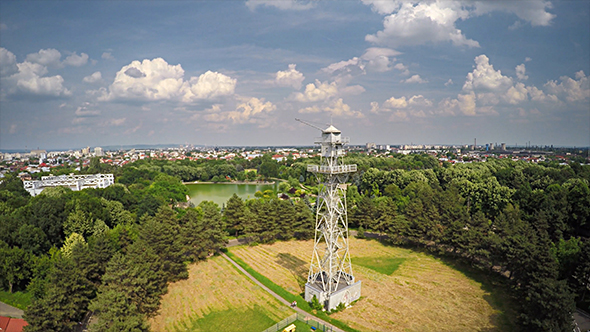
x,y
386,265
19,300
251,319
216,297
402,289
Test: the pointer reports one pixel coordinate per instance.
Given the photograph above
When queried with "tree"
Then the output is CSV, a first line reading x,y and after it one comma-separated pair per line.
x,y
202,235
235,213
116,312
65,302
269,169
15,265
161,233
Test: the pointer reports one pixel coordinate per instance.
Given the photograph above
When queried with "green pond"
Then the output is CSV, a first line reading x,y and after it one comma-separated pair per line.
x,y
221,192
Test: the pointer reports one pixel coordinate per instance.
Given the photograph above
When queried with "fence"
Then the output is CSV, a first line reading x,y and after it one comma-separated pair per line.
x,y
302,318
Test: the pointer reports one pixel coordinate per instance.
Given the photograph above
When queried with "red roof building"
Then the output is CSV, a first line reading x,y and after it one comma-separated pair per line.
x,y
8,324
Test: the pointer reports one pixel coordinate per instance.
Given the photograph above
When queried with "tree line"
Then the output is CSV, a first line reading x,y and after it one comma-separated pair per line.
x,y
525,221
112,251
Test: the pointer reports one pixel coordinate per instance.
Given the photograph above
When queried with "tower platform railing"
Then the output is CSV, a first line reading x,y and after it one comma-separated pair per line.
x,y
331,139
340,169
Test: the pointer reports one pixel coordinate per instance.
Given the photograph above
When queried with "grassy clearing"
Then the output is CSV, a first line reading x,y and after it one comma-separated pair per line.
x,y
385,265
422,293
19,300
251,319
289,296
216,297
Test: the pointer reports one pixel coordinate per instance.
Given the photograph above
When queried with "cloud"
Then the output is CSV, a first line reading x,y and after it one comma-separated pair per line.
x,y
449,82
83,111
115,122
249,110
210,85
12,129
282,4
290,77
520,72
107,56
516,94
7,62
344,66
95,77
421,23
484,77
152,80
378,59
574,90
402,68
413,104
160,81
76,60
464,104
415,79
316,92
534,12
134,72
47,57
30,81
527,59
336,108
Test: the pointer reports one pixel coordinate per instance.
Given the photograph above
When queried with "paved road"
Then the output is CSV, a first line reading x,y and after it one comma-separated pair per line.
x,y
301,311
10,311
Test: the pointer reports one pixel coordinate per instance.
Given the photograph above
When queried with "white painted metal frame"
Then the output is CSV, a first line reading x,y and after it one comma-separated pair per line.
x,y
330,262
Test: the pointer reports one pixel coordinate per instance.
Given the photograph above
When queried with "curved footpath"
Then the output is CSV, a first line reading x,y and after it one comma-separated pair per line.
x,y
301,311
10,311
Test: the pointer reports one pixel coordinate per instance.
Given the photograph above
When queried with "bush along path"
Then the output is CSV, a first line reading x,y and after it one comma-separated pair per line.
x,y
285,302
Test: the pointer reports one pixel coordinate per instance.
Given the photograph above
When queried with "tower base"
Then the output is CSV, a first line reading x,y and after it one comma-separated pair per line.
x,y
344,295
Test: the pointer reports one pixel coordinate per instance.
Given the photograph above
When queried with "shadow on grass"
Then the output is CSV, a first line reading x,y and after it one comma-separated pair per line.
x,y
296,266
495,285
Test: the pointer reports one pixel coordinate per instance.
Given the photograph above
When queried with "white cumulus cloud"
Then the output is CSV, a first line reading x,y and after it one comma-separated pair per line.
x,y
95,77
47,57
574,90
290,77
7,62
411,23
76,60
316,92
282,4
415,79
151,80
521,72
210,85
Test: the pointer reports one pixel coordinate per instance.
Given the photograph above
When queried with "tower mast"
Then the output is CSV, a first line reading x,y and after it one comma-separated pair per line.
x,y
330,276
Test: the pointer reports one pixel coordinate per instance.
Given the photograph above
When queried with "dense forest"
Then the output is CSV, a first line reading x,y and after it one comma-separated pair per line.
x,y
112,251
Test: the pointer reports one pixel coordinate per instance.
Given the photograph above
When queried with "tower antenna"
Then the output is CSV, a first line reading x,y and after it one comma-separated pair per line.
x,y
330,277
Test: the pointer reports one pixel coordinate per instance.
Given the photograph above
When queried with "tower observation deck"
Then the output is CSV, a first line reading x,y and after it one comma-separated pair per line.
x,y
330,276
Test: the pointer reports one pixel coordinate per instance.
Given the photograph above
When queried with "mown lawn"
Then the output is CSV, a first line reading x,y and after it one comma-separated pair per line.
x,y
385,264
19,300
402,289
216,297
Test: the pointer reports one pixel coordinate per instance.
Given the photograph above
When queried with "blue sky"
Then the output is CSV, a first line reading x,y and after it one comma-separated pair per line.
x,y
97,73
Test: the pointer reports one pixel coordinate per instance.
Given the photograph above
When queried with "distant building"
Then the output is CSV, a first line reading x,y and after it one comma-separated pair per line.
x,y
503,146
98,151
86,151
370,146
74,182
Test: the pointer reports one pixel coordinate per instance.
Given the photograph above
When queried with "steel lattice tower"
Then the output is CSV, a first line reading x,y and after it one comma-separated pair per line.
x,y
330,276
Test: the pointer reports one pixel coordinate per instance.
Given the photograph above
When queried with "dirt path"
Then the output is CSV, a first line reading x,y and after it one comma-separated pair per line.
x,y
334,328
10,311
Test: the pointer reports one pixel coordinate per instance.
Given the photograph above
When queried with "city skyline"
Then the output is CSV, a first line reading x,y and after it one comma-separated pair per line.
x,y
237,73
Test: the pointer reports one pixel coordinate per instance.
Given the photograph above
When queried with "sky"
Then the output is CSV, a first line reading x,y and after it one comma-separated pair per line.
x,y
107,73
